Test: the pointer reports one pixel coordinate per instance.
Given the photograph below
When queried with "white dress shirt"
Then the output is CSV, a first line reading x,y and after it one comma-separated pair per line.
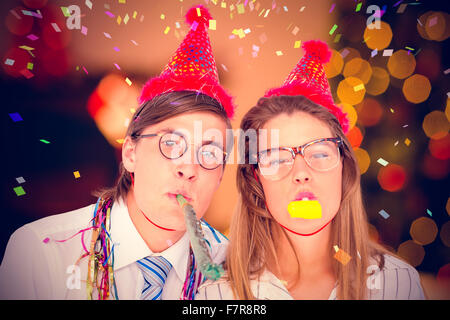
x,y
32,269
396,281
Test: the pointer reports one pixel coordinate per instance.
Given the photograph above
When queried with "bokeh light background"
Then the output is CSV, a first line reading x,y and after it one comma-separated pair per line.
x,y
68,95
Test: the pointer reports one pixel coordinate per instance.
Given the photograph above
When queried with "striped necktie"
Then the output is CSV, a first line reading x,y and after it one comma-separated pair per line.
x,y
155,270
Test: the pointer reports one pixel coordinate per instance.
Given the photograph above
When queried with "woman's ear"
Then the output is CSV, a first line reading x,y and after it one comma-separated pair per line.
x,y
129,154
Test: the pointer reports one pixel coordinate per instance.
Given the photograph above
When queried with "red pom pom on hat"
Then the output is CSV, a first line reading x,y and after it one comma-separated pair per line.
x,y
193,15
319,49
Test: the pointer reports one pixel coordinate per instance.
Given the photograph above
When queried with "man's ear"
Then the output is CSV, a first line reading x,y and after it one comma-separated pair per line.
x,y
129,154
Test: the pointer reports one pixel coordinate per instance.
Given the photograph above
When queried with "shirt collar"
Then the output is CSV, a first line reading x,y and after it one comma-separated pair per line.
x,y
129,246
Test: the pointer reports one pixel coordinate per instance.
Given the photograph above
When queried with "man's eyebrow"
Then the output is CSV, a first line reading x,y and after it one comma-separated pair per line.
x,y
204,142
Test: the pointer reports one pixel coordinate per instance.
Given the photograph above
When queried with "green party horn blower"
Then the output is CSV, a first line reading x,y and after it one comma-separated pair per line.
x,y
209,269
306,209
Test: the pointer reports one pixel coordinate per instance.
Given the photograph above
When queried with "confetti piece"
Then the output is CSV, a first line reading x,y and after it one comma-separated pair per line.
x,y
14,13
88,4
44,141
388,52
9,62
384,214
342,257
162,16
432,22
119,20
20,180
126,19
255,48
374,53
344,53
295,30
302,8
279,53
166,31
26,73
15,117
120,141
402,8
134,14
107,35
56,27
30,66
76,174
297,44
194,25
46,240
240,8
65,11
85,71
383,162
224,68
32,37
407,142
123,1
359,87
333,29
84,30
392,110
338,37
447,71
109,14
267,12
134,42
128,81
116,49
358,7
27,48
212,24
223,5
429,212
396,143
332,7
19,191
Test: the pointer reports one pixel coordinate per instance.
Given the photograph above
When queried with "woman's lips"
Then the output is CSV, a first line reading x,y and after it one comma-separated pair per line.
x,y
305,196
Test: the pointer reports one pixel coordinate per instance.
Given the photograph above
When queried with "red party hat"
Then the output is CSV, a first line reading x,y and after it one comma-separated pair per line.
x,y
309,80
192,67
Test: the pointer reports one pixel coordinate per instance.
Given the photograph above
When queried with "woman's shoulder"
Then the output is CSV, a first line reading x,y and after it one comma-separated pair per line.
x,y
265,287
397,280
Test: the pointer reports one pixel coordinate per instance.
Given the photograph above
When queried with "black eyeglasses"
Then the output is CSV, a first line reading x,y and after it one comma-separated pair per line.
x,y
321,155
173,145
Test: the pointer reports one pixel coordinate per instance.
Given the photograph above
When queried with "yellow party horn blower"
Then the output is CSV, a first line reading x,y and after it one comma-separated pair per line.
x,y
209,269
306,209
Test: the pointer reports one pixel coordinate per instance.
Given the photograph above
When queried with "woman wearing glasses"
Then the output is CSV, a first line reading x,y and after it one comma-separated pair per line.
x,y
132,244
300,230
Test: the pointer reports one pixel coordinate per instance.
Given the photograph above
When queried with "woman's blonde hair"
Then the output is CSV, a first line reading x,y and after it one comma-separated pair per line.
x,y
254,232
